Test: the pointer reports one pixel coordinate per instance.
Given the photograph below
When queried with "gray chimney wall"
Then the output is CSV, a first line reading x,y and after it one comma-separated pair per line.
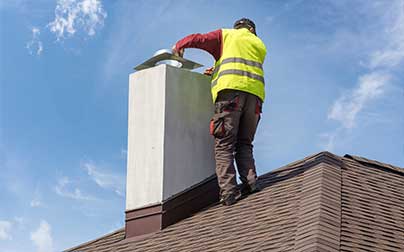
x,y
169,145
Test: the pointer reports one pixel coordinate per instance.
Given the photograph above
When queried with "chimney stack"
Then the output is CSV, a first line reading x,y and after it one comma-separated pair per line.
x,y
171,166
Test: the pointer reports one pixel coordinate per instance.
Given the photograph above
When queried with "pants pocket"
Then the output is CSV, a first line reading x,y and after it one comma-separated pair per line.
x,y
217,126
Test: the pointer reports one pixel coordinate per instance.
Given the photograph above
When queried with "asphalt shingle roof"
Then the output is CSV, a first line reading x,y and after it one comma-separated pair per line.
x,y
321,203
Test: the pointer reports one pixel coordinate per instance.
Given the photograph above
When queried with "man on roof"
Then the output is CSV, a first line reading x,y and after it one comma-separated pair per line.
x,y
238,91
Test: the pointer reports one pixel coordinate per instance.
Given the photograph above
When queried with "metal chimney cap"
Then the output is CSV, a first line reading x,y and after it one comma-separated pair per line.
x,y
164,56
171,62
161,51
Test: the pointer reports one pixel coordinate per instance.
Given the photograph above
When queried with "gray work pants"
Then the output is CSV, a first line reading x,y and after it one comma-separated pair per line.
x,y
234,124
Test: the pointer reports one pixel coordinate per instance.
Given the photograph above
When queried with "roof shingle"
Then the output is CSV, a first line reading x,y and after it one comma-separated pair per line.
x,y
321,203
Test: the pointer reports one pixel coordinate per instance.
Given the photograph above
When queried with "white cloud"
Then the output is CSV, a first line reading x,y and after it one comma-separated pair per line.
x,y
64,189
5,227
381,65
106,180
393,54
42,237
36,199
328,141
35,203
346,108
35,45
75,15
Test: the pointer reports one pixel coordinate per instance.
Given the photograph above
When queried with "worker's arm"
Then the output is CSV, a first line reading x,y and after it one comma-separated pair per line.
x,y
210,42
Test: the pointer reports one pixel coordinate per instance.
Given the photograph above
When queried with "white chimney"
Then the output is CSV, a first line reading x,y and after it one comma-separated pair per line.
x,y
171,166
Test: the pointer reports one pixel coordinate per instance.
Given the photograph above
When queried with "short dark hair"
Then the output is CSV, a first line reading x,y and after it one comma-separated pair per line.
x,y
244,23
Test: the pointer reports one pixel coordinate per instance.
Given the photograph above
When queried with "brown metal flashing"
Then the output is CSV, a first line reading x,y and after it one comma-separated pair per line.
x,y
143,221
143,212
191,201
156,217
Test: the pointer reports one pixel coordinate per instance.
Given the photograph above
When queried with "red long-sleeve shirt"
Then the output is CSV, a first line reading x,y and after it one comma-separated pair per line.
x,y
210,42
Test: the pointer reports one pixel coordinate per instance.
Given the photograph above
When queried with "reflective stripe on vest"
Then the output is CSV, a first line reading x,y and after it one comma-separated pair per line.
x,y
237,71
238,60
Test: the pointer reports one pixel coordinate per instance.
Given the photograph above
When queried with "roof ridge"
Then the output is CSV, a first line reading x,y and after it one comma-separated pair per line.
x,y
367,161
309,160
320,207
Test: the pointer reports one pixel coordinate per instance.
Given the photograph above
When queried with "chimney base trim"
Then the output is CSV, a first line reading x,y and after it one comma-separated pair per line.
x,y
153,218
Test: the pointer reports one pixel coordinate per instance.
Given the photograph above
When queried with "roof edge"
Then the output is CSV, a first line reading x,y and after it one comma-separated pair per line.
x,y
320,157
371,162
93,241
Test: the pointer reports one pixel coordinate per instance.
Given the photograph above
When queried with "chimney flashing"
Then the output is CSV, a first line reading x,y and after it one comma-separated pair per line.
x,y
153,218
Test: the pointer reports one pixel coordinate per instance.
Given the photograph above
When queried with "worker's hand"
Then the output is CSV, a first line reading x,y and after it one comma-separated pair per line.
x,y
179,53
209,71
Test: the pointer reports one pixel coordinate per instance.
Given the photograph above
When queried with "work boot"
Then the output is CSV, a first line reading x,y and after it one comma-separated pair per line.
x,y
229,199
247,189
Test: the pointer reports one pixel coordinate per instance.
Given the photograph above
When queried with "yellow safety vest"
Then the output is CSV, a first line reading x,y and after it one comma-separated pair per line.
x,y
240,66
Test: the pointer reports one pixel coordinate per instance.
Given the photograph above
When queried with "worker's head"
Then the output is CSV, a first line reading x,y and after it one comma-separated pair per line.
x,y
245,23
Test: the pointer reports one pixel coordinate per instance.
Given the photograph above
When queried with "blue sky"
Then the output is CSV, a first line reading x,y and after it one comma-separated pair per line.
x,y
334,74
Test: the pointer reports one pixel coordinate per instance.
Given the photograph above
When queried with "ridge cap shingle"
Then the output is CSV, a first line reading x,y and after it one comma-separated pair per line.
x,y
309,160
367,161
